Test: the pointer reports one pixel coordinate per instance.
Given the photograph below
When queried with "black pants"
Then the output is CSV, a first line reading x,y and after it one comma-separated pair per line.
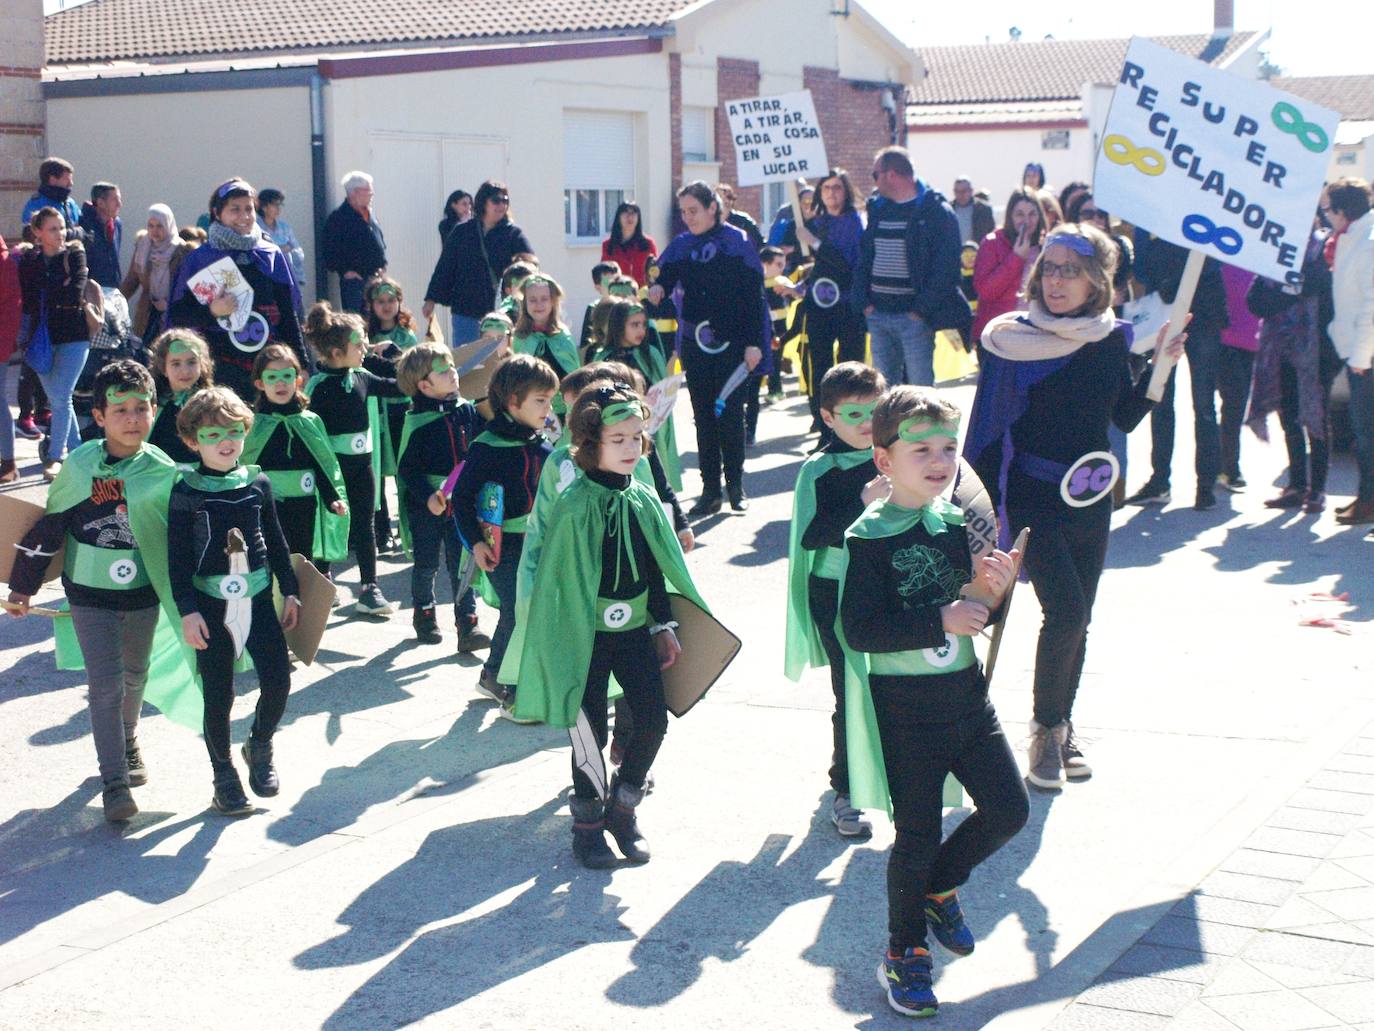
x,y
1303,448
1234,370
917,757
395,416
503,579
824,598
267,647
825,326
297,519
360,487
431,536
1064,563
720,441
754,387
1203,349
631,657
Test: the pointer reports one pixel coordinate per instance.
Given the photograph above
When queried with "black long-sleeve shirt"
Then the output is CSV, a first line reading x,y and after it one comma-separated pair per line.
x,y
165,437
283,451
617,574
1067,417
839,500
198,525
345,411
722,283
516,468
436,448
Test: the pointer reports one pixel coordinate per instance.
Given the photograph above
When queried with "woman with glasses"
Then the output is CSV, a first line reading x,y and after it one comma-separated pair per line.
x,y
1052,380
467,277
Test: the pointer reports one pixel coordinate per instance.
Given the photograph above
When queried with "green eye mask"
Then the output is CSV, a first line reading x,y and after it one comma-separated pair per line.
x,y
620,411
116,396
212,435
487,325
919,428
271,377
854,413
622,290
439,366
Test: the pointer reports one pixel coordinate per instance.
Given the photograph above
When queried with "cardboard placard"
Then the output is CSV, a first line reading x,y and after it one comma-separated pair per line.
x,y
707,650
776,138
662,399
317,599
472,385
1213,161
17,518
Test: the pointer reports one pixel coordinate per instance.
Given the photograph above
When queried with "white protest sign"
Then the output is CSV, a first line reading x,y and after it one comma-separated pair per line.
x,y
1213,162
776,138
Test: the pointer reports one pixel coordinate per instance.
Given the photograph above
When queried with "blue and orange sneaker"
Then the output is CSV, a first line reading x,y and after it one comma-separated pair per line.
x,y
945,920
906,979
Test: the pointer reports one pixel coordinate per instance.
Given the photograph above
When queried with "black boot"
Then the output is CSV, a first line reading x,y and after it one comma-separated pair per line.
x,y
738,501
589,834
470,636
262,775
426,626
707,505
620,820
229,798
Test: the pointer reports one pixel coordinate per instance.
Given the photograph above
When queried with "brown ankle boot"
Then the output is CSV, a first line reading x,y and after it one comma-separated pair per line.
x,y
1358,513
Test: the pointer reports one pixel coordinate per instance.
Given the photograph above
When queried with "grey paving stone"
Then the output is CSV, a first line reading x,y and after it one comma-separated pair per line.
x,y
1270,864
1224,911
1330,801
1199,935
1349,1002
1334,874
1360,963
1343,780
1340,931
1238,977
1272,1011
1249,888
1292,843
1361,746
1081,1017
1355,845
1359,866
1290,976
1300,912
1171,964
1306,953
1142,995
1294,819
1346,903
1198,1016
1352,763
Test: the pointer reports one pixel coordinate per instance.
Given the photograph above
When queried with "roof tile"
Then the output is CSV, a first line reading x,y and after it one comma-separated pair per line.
x,y
1351,95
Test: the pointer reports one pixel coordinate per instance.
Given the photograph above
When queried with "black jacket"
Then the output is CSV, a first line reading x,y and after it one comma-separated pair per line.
x,y
1159,265
102,253
56,287
468,272
352,243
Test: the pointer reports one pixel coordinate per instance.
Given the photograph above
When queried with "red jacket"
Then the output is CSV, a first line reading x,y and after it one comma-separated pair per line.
x,y
11,307
631,262
997,275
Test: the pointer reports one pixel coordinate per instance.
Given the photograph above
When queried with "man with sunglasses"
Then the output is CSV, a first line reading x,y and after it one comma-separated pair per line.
x,y
907,278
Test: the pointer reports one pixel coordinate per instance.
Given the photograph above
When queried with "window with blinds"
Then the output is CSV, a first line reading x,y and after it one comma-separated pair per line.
x,y
698,134
598,171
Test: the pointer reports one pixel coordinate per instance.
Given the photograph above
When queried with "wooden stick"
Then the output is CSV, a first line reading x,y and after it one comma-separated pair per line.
x,y
995,646
1183,300
32,610
795,197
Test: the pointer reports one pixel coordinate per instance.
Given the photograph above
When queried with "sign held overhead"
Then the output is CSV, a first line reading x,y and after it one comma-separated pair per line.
x,y
776,138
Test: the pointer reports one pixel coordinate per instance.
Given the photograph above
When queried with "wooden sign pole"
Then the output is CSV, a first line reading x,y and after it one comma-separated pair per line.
x,y
794,196
1183,300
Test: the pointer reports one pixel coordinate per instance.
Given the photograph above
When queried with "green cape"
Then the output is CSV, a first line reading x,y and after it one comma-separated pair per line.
x,y
148,476
560,347
330,542
649,361
561,629
802,642
867,774
559,473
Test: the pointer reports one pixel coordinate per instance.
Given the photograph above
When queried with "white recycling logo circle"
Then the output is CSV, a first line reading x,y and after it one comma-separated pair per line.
x,y
233,586
617,615
123,570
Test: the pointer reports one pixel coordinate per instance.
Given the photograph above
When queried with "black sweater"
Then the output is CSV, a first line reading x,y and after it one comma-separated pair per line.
x,y
839,500
345,411
436,448
198,525
352,243
55,285
516,468
617,577
470,265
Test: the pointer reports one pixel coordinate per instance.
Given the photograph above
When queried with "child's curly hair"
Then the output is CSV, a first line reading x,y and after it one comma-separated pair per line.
x,y
584,421
166,342
213,406
377,285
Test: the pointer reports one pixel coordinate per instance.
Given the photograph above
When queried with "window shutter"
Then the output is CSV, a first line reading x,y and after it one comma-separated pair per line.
x,y
598,150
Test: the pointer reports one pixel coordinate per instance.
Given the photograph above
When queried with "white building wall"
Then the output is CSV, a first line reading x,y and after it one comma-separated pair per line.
x,y
995,158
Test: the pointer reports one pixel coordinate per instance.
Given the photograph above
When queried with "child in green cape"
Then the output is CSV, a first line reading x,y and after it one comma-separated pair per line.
x,y
539,329
626,340
180,358
390,333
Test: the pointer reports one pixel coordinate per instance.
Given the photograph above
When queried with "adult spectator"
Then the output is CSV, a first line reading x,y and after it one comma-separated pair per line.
x,y
1069,192
54,191
104,233
1049,204
907,278
1159,265
1033,176
279,231
627,245
1235,370
353,244
724,323
1005,258
467,276
975,216
1083,209
739,219
52,282
158,251
11,312
457,209
1352,325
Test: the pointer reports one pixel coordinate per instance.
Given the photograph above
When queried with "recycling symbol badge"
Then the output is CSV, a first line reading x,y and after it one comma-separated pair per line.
x,y
358,444
123,571
945,654
233,586
308,482
617,615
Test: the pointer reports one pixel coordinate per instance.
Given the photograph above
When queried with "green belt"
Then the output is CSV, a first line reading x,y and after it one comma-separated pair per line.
x,y
291,483
926,662
516,525
616,615
108,569
828,562
359,443
234,585
665,325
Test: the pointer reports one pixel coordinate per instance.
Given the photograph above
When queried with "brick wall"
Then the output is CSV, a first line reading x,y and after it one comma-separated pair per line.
x,y
853,122
734,79
21,108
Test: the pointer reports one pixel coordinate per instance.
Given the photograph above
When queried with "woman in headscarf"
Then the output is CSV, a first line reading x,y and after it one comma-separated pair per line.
x,y
158,251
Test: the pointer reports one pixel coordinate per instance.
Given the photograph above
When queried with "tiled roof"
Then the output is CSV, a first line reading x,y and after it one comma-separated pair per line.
x,y
1351,95
119,30
1052,69
1030,112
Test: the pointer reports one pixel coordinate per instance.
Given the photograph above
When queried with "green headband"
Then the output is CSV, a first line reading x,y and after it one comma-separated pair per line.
x,y
212,435
534,279
908,429
441,364
623,290
619,411
179,346
117,396
854,413
385,290
271,376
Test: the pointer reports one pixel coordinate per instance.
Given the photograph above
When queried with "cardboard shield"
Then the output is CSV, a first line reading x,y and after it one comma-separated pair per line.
x,y
707,650
317,598
17,518
472,382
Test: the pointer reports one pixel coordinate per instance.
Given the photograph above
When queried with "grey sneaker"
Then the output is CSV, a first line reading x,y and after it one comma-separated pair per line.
x,y
1075,766
138,773
119,802
849,821
1045,758
372,602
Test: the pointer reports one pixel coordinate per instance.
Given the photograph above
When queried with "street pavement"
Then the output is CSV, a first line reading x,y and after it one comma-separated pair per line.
x,y
416,870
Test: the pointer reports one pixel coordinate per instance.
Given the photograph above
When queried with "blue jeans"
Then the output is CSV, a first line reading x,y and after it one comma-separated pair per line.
x,y
58,382
1362,422
465,329
429,535
351,294
1203,349
6,416
903,347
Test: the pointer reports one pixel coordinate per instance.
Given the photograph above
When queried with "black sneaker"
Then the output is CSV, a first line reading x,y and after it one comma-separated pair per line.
x,y
373,602
119,802
229,799
1234,482
707,505
1151,494
470,636
262,775
1205,501
738,501
138,773
426,626
489,687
